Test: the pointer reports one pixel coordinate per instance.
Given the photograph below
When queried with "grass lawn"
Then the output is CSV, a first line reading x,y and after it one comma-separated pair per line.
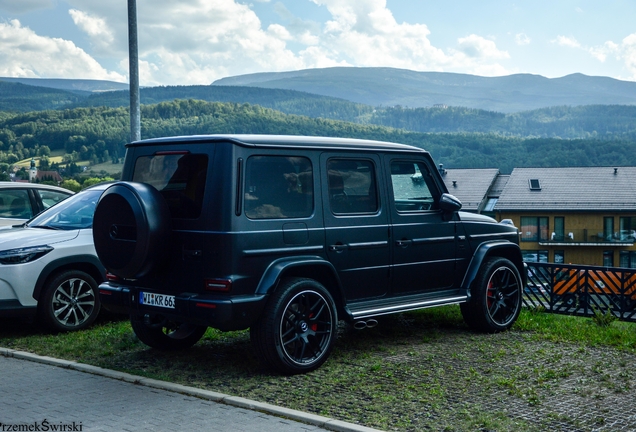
x,y
418,371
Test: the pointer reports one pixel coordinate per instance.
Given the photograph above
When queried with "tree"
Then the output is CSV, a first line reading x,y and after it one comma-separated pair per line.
x,y
44,164
72,185
44,151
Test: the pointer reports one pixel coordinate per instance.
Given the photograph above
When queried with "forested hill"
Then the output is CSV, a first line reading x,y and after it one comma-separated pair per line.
x,y
590,121
100,133
594,121
22,97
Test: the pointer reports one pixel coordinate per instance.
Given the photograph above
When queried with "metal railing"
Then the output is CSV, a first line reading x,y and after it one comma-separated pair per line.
x,y
581,236
581,290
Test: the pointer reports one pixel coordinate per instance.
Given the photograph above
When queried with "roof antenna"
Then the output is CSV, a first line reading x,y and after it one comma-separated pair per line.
x,y
615,171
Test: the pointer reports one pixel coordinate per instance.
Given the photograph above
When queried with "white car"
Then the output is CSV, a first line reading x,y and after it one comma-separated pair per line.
x,y
48,265
19,202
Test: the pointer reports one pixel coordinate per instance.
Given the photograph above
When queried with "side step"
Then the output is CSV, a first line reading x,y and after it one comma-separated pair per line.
x,y
368,309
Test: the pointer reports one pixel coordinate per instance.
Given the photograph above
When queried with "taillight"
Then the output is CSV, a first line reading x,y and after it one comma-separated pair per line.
x,y
111,277
218,285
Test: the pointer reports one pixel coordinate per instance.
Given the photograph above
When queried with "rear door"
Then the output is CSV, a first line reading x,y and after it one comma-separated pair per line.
x,y
356,223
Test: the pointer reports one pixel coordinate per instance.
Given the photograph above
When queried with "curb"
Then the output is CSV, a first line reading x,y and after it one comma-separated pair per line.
x,y
300,416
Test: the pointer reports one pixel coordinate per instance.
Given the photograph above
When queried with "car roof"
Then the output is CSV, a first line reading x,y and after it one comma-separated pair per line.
x,y
282,141
21,185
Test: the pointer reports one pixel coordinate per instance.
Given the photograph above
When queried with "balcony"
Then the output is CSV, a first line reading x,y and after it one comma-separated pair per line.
x,y
582,237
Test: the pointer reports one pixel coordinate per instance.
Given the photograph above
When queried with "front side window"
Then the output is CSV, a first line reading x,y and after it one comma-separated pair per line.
x,y
352,186
179,177
412,186
278,187
50,198
534,229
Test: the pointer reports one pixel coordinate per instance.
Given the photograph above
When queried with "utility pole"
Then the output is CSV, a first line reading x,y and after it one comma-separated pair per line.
x,y
133,66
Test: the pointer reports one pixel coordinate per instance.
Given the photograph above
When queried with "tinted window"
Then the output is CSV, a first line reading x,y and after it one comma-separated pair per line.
x,y
352,186
50,198
179,177
278,187
412,186
14,203
74,213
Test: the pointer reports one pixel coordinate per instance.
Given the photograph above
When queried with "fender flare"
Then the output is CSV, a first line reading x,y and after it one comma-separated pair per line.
x,y
502,248
273,273
71,262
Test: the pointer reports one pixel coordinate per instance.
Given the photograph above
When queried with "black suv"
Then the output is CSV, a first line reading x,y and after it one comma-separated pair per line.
x,y
286,235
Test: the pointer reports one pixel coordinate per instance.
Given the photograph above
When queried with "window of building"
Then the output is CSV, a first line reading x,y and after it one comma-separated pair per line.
x,y
535,185
559,256
534,229
627,259
559,229
352,186
278,187
490,204
535,255
608,228
627,229
608,258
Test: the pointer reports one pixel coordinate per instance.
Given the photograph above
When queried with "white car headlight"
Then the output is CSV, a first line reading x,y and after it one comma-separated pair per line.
x,y
23,255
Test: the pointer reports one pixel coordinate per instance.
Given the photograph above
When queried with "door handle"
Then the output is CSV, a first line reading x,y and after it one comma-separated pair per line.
x,y
403,243
338,248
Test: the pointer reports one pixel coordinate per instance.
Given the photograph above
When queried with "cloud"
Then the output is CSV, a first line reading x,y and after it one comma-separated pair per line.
x,y
192,41
23,6
478,47
365,33
522,39
25,54
199,41
95,27
567,42
627,53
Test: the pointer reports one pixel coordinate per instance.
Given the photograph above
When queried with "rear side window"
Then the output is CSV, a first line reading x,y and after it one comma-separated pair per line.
x,y
179,177
278,187
15,203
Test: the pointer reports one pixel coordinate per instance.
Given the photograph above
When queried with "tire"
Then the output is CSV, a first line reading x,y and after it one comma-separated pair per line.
x,y
131,229
69,301
496,297
167,335
298,328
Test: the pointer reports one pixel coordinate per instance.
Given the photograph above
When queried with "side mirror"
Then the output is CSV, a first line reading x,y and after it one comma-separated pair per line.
x,y
449,203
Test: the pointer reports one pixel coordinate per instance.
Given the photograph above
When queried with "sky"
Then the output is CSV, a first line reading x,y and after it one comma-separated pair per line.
x,y
187,42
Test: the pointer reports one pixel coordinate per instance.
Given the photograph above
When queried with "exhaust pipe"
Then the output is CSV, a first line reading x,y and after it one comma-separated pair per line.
x,y
360,325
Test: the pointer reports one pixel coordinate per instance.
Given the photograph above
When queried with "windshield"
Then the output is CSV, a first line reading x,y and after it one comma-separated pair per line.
x,y
75,212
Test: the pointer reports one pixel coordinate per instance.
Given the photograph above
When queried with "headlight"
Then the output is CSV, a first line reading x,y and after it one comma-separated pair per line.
x,y
23,255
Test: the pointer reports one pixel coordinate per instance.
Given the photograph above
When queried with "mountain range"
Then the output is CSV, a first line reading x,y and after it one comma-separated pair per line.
x,y
392,87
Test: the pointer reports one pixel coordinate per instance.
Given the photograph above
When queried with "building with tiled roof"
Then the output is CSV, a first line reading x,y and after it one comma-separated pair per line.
x,y
583,215
471,186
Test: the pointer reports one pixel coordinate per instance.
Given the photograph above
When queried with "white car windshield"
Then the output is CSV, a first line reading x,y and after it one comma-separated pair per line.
x,y
75,212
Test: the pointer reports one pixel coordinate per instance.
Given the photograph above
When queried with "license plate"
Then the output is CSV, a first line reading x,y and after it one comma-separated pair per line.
x,y
160,300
